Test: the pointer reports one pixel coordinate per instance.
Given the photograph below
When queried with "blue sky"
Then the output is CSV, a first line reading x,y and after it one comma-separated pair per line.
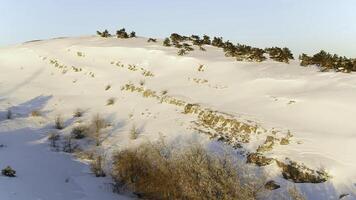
x,y
302,25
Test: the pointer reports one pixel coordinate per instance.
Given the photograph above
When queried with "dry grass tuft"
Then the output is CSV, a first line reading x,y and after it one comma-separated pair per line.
x,y
110,101
58,122
96,167
134,132
78,113
155,171
36,113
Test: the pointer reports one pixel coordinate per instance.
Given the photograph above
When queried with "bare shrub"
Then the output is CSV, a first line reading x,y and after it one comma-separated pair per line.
x,y
97,167
155,171
134,133
36,113
107,87
110,101
97,124
68,145
53,138
79,132
78,113
58,122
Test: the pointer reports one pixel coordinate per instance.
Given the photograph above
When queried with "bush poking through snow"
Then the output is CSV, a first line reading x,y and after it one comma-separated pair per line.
x,y
53,139
155,171
96,167
107,87
97,124
9,114
35,113
79,132
58,122
78,113
8,171
68,145
110,101
134,133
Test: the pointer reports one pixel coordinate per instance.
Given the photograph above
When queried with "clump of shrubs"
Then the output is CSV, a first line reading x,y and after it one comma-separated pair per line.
x,y
206,40
176,38
327,61
217,42
79,132
58,122
280,54
124,35
152,40
132,34
8,171
244,52
155,171
104,34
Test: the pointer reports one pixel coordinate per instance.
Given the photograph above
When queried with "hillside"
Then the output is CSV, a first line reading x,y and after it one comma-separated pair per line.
x,y
277,115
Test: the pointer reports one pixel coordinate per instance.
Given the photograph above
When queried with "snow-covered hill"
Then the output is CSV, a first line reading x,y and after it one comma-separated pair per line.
x,y
274,109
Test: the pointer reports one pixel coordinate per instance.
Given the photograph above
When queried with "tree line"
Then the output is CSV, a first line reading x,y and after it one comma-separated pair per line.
x,y
242,52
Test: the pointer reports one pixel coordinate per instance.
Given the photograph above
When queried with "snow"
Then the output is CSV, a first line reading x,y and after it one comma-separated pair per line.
x,y
318,108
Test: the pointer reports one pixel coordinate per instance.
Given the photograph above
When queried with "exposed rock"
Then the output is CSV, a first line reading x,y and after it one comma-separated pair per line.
x,y
258,159
299,173
271,185
267,145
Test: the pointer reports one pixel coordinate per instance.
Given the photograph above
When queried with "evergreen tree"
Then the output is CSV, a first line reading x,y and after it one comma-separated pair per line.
x,y
218,42
132,34
206,40
167,42
122,33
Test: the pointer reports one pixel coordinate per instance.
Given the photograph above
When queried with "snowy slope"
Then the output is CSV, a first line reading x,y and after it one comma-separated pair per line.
x,y
317,108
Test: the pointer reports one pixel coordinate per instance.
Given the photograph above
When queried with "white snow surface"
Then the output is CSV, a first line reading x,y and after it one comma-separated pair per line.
x,y
317,107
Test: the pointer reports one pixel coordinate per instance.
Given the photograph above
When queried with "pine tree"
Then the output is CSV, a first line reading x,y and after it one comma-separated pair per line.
x,y
132,34
167,42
